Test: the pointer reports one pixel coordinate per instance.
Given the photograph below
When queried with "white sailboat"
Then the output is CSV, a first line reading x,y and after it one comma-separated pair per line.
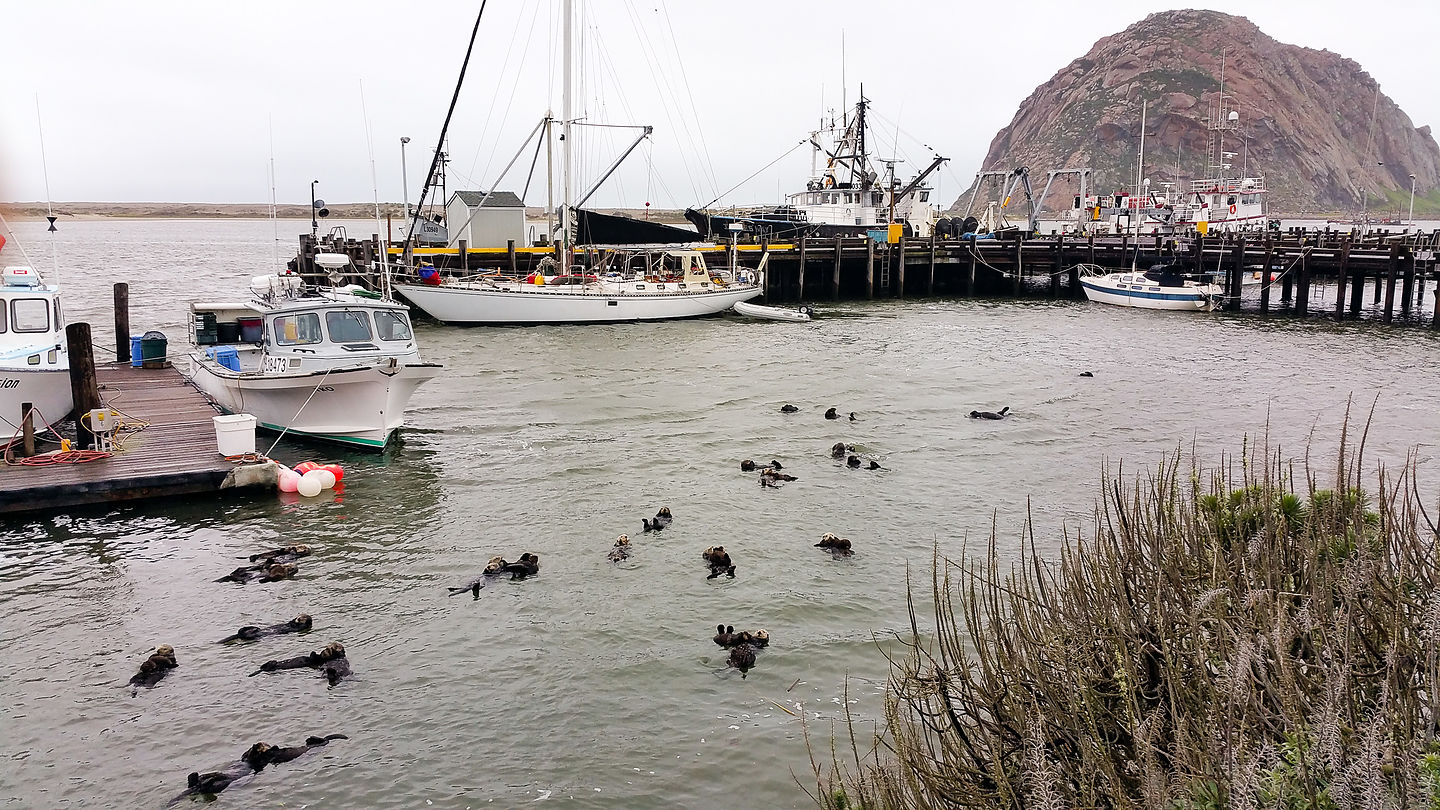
x,y
608,292
337,365
34,364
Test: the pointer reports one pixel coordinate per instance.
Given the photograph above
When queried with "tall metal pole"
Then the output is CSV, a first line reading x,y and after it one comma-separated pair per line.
x,y
1411,219
404,175
549,178
566,114
314,223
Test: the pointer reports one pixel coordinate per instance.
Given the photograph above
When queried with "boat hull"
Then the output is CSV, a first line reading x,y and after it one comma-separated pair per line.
x,y
1196,299
47,389
772,313
478,305
359,406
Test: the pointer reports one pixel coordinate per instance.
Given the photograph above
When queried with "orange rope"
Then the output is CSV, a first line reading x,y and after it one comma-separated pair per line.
x,y
63,457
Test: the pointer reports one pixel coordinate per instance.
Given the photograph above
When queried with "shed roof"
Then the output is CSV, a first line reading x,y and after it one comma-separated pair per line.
x,y
497,199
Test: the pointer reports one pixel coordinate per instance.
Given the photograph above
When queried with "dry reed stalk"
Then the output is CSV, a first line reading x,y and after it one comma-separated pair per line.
x,y
1223,639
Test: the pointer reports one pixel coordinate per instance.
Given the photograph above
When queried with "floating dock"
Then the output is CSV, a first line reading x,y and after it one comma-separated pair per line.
x,y
174,454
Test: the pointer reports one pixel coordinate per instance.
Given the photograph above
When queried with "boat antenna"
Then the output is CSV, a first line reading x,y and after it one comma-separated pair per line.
x,y
274,219
49,207
375,192
440,145
844,101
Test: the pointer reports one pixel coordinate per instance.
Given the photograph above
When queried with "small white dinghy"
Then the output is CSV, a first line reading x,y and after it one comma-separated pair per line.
x,y
774,313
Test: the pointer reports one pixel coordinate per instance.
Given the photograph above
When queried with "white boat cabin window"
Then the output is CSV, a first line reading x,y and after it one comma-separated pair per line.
x,y
30,315
297,330
394,326
347,326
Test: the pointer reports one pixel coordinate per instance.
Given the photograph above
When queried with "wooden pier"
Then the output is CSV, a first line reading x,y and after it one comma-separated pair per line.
x,y
172,455
1027,266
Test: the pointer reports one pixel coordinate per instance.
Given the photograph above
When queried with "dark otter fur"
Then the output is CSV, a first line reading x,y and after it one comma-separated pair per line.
x,y
757,639
258,757
723,634
852,417
742,657
788,408
747,465
335,670
315,659
621,550
261,755
875,465
1087,374
299,624
284,554
775,465
770,475
267,571
527,565
838,546
831,414
990,414
662,519
495,568
719,562
853,462
156,667
839,450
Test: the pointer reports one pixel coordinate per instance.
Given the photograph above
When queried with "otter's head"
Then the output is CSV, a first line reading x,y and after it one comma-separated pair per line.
x,y
258,755
853,461
622,540
165,650
762,636
301,622
333,650
747,465
300,550
828,539
281,571
719,551
664,512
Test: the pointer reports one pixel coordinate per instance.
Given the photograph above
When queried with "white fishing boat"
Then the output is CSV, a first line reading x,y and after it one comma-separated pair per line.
x,y
799,315
337,365
34,365
1160,287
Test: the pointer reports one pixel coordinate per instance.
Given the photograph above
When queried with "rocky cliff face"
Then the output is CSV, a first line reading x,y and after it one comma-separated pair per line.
x,y
1305,117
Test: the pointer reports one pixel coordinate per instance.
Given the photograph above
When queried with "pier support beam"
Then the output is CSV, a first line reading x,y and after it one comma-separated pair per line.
x,y
930,282
1392,272
83,388
1435,316
1237,276
1340,279
1407,292
800,274
1357,292
835,277
869,268
1265,277
1059,266
27,429
899,291
122,322
1017,271
1302,284
974,249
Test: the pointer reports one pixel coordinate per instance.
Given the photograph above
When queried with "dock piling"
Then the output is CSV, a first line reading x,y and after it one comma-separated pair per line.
x,y
1302,284
930,281
899,291
869,268
1265,277
1407,291
839,260
27,429
800,274
1391,275
83,389
122,321
1340,278
970,276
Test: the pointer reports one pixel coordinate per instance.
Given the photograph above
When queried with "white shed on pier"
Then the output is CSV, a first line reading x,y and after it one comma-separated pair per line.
x,y
500,218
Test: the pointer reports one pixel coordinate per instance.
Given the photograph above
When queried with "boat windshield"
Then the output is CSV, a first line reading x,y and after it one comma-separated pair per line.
x,y
296,330
348,326
30,315
392,325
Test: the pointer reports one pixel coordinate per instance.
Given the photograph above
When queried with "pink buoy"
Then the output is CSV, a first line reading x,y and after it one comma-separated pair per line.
x,y
289,481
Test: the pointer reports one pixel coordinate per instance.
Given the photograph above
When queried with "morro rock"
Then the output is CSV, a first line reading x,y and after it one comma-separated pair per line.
x,y
1313,123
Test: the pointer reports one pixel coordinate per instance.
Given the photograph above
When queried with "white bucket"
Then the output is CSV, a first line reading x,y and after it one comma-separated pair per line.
x,y
235,434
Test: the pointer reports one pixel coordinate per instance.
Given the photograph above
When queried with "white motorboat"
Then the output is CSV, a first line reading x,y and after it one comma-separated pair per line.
x,y
332,364
1157,288
34,364
632,285
800,315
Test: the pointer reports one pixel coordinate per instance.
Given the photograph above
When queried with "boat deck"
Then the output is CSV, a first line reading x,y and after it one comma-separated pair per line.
x,y
173,455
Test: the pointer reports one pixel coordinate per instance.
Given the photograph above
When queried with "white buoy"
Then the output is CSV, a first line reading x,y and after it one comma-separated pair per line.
x,y
310,484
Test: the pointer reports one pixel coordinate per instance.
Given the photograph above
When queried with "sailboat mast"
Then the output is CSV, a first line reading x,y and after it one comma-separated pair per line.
x,y
1140,166
549,176
566,114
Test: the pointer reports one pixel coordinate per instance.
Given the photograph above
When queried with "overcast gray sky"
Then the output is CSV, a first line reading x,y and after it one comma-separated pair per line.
x,y
181,101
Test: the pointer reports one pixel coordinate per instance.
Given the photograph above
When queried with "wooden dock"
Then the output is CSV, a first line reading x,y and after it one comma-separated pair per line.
x,y
173,455
1393,266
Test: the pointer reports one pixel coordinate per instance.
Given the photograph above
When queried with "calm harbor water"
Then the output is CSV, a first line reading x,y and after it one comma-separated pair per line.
x,y
594,685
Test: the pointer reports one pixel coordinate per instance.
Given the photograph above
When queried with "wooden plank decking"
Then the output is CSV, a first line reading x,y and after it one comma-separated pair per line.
x,y
175,455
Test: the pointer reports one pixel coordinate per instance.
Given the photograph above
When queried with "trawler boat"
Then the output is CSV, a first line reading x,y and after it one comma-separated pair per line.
x,y
337,365
848,197
1160,287
636,284
34,365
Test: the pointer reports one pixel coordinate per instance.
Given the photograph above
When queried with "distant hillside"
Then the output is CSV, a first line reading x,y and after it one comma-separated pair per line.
x,y
1305,117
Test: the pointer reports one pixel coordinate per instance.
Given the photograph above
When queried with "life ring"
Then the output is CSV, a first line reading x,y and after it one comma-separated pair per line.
x,y
1232,208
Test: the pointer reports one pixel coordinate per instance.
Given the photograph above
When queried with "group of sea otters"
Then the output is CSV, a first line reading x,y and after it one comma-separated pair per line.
x,y
330,661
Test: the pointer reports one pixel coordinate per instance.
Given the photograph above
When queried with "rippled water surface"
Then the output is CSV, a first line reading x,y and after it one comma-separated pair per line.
x,y
595,685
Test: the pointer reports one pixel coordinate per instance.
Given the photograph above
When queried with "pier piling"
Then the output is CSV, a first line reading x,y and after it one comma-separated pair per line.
x,y
1340,279
83,389
122,322
970,275
839,260
1302,284
27,429
900,270
870,269
1391,275
800,274
930,282
1407,291
1265,278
